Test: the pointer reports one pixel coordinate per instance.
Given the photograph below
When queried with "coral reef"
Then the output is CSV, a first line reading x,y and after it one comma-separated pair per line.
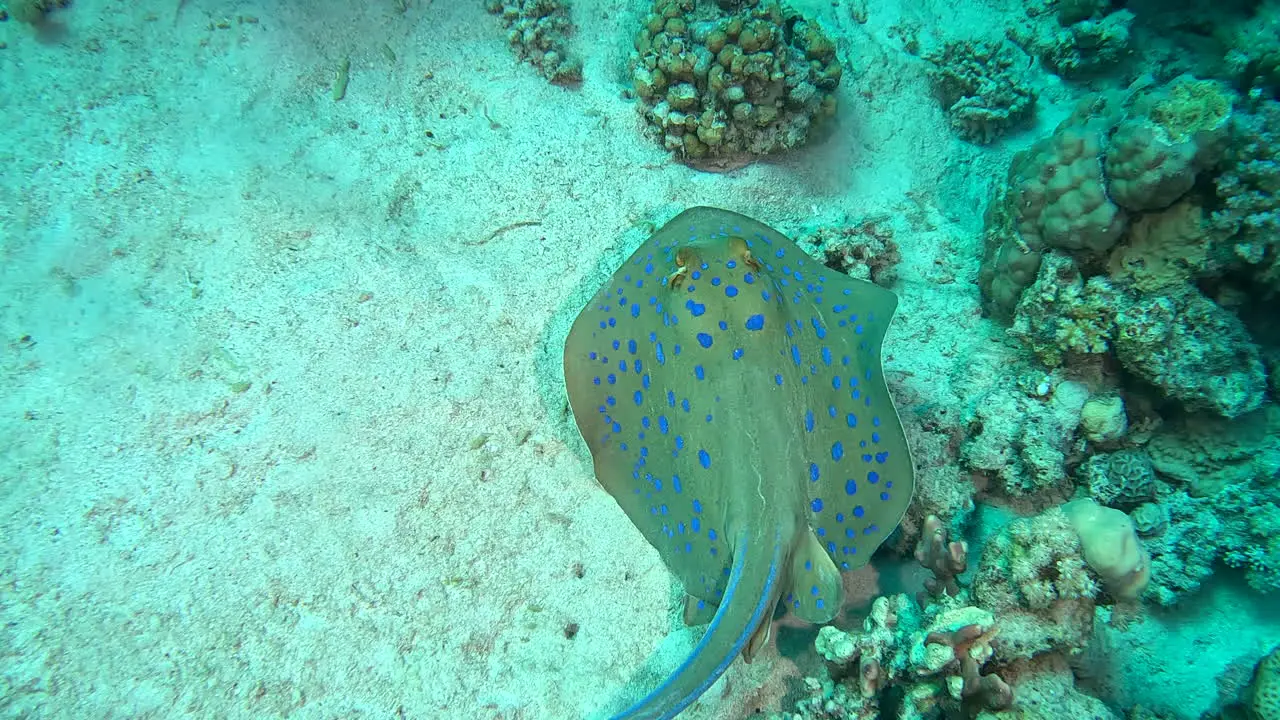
x,y
1191,349
1111,547
1249,190
1023,437
1253,57
982,86
743,78
1082,38
538,32
1264,691
1171,134
1183,549
1206,454
1150,519
1061,191
1002,644
1074,278
938,654
1033,576
1058,315
1215,500
1179,341
1164,249
1053,197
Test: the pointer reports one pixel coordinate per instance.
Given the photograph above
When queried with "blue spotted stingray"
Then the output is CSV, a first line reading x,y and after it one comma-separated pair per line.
x,y
730,390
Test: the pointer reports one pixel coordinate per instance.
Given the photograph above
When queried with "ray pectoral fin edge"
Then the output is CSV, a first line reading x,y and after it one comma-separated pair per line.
x,y
749,598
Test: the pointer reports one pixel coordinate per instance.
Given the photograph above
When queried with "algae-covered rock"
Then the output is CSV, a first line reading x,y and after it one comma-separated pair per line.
x,y
983,87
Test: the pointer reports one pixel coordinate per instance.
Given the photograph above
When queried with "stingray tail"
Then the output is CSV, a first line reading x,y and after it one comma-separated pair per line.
x,y
749,599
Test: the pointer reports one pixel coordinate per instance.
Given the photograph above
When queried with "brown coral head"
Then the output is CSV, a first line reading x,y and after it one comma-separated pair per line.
x,y
945,559
990,692
960,639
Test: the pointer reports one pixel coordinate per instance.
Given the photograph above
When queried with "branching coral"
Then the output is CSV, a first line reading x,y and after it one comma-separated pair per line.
x,y
937,657
945,559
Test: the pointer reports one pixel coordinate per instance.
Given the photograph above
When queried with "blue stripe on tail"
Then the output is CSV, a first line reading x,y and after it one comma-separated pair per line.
x,y
658,704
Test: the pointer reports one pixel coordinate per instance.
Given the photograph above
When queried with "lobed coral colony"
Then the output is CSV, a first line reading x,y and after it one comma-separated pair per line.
x,y
733,78
1125,451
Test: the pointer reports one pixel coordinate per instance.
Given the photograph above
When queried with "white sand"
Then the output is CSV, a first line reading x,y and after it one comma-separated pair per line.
x,y
186,212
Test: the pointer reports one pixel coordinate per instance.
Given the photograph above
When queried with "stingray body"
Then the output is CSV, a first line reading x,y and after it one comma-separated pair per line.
x,y
730,390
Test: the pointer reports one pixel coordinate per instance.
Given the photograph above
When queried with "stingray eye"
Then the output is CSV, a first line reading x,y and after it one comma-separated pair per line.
x,y
684,258
739,248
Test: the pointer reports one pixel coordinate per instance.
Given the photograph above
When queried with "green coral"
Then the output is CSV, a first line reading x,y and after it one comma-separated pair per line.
x,y
982,86
1059,314
1192,349
1089,46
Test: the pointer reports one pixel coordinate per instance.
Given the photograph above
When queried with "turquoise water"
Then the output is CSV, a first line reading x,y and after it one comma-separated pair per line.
x,y
288,297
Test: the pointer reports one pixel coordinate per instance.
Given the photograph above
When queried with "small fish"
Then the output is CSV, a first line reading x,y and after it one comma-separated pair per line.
x,y
731,393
